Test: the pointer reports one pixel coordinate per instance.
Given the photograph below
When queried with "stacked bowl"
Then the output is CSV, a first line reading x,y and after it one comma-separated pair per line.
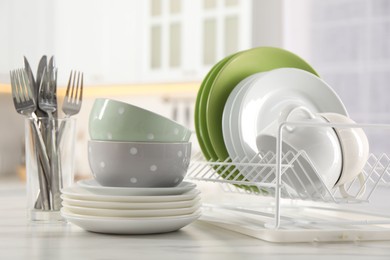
x,y
138,160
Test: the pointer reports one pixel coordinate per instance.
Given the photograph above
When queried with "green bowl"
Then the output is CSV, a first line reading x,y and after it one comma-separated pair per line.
x,y
112,120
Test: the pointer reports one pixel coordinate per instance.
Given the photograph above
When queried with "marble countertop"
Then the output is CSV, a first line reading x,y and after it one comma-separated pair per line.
x,y
20,239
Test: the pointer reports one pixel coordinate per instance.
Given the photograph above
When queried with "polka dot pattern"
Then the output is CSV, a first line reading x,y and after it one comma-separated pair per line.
x,y
153,168
150,136
133,150
140,165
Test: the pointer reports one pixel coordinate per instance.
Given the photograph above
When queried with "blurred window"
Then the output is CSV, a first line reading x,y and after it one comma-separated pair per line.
x,y
185,38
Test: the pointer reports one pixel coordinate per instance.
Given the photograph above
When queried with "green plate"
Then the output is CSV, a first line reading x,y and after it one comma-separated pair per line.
x,y
200,111
237,68
201,127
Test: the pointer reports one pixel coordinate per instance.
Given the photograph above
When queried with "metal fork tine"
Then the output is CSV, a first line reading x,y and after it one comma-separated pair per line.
x,y
23,86
13,83
19,91
69,85
26,85
73,82
77,88
16,87
81,88
30,91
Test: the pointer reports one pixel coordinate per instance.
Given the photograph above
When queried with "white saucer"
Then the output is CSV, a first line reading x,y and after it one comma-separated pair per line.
x,y
96,188
134,226
130,205
130,213
80,193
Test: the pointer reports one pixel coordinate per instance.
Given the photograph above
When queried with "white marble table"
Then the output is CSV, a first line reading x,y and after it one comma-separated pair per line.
x,y
20,239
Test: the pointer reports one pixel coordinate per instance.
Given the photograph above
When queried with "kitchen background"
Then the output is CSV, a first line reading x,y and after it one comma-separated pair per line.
x,y
155,53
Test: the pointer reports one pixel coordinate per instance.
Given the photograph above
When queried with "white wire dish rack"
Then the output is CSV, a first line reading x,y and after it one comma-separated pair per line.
x,y
283,202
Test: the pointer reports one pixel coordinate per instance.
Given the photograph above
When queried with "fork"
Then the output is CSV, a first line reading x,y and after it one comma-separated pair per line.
x,y
47,100
24,103
73,99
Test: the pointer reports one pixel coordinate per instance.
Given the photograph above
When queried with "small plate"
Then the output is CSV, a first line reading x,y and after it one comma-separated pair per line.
x,y
152,225
77,192
130,205
96,188
130,213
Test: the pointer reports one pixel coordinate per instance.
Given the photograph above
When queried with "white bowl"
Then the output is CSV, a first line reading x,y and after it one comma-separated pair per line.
x,y
321,146
138,164
354,145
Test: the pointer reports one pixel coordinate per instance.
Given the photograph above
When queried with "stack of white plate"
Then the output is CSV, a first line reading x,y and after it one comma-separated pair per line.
x,y
118,210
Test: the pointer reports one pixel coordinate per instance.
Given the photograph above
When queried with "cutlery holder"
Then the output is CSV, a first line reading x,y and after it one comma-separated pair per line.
x,y
50,154
282,195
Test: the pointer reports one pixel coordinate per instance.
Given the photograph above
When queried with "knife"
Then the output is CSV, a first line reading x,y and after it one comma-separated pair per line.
x,y
30,75
34,85
52,79
41,67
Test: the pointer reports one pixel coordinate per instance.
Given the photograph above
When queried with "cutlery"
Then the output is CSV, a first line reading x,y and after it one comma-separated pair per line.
x,y
41,67
24,103
52,79
47,100
37,100
34,86
39,113
73,98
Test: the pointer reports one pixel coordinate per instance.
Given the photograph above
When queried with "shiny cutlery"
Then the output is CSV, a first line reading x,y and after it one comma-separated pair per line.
x,y
47,100
24,103
73,98
37,99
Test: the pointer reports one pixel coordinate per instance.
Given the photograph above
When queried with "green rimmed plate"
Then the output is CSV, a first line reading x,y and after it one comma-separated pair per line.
x,y
200,111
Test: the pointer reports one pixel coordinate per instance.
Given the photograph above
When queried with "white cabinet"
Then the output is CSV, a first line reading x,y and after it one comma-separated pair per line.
x,y
124,41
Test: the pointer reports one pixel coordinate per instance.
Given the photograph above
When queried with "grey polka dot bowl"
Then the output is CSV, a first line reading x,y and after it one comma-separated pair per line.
x,y
138,164
112,120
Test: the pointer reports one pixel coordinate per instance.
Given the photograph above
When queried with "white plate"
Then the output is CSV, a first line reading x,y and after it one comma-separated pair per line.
x,y
96,188
231,111
130,213
77,192
134,226
227,113
130,205
268,95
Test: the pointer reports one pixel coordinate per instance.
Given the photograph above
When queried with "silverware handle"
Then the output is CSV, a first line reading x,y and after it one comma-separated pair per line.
x,y
42,148
61,131
43,199
42,161
55,173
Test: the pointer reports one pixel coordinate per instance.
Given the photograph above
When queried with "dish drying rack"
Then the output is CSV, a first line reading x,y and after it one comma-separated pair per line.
x,y
280,205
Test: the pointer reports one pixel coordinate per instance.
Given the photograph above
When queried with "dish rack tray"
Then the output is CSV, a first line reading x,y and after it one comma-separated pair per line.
x,y
284,202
